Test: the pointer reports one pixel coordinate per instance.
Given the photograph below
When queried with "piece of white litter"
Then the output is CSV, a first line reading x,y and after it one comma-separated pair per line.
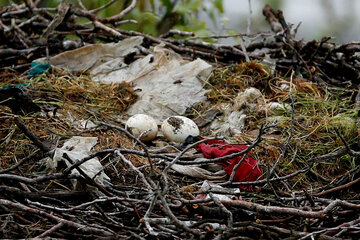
x,y
206,186
167,84
234,118
275,106
247,99
252,93
198,172
78,148
285,87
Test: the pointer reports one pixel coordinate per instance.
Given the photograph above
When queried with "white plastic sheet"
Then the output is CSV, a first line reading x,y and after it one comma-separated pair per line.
x,y
166,83
78,148
206,186
198,172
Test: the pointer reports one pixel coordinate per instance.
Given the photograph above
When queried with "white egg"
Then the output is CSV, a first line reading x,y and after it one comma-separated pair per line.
x,y
140,123
178,128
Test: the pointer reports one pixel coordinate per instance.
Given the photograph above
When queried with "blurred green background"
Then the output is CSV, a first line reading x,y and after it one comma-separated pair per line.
x,y
154,16
319,18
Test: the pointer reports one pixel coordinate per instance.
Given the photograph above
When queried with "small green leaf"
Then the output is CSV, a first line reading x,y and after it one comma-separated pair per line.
x,y
167,4
187,6
219,5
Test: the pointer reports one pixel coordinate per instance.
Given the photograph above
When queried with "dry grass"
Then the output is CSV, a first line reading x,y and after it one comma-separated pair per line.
x,y
316,111
72,98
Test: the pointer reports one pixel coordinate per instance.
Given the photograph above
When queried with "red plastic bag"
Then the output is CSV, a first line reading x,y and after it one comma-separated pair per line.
x,y
247,171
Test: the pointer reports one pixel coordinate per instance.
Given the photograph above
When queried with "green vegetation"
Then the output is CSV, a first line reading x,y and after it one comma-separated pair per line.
x,y
155,17
317,112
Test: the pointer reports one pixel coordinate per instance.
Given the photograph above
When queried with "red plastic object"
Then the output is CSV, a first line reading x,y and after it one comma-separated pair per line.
x,y
247,171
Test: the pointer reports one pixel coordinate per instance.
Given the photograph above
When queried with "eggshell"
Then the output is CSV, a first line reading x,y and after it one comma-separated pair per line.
x,y
140,123
178,128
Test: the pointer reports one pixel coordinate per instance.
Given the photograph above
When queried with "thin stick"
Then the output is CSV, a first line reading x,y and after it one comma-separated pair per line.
x,y
31,135
81,227
122,14
18,164
96,10
272,209
129,163
134,138
51,230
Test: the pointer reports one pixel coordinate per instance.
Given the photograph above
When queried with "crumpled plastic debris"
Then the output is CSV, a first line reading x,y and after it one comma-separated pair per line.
x,y
38,68
78,148
81,124
232,126
247,171
167,84
198,172
227,196
233,121
275,106
249,102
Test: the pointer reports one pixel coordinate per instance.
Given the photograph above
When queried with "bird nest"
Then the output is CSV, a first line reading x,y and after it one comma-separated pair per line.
x,y
300,125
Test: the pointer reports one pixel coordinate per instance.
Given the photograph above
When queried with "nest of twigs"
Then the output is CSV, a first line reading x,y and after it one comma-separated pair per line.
x,y
308,152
